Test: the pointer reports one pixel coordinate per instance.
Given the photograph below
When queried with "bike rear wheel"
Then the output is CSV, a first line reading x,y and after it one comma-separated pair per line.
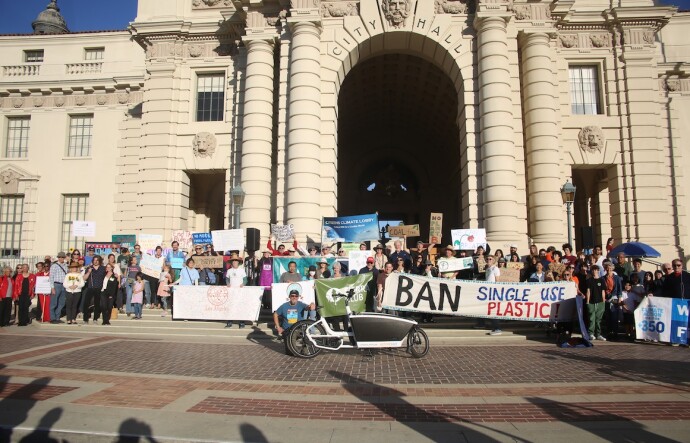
x,y
297,340
417,342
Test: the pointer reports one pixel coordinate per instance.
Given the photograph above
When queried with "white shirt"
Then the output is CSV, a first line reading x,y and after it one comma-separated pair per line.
x,y
491,273
235,276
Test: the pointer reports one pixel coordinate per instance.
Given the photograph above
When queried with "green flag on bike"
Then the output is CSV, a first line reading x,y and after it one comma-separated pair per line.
x,y
326,290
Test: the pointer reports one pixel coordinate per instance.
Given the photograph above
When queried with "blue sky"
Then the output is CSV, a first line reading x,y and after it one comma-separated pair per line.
x,y
91,15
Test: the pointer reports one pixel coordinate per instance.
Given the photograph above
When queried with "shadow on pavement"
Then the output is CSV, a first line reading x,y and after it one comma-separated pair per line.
x,y
15,406
579,417
42,432
252,434
269,341
133,431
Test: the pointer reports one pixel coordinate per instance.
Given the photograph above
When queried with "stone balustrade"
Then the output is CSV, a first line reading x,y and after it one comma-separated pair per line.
x,y
21,70
84,68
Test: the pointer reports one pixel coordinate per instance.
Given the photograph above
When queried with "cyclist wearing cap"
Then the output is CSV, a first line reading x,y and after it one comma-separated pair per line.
x,y
289,313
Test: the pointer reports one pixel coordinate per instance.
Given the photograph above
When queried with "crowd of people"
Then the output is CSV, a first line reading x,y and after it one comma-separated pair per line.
x,y
612,287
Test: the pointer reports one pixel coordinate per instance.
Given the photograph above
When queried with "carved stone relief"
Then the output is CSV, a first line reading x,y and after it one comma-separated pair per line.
x,y
600,40
201,4
59,101
38,101
9,182
396,12
568,40
672,85
204,144
123,97
339,9
450,6
80,100
591,139
648,37
17,102
522,12
196,50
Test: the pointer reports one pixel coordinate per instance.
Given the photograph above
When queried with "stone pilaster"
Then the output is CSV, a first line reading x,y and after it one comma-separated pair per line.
x,y
304,125
496,126
545,205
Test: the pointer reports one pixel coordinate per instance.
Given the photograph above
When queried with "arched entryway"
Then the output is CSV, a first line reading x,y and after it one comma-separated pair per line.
x,y
399,150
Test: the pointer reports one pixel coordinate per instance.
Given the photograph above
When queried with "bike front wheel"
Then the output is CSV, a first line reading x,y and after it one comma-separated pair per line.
x,y
297,341
417,342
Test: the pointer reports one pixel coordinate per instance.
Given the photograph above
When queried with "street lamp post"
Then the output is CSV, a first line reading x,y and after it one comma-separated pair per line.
x,y
237,195
568,194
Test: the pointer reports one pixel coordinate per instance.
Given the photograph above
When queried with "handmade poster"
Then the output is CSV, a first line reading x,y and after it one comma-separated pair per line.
x,y
358,260
556,267
149,242
228,240
509,275
184,238
217,303
42,285
280,265
349,247
151,265
177,262
435,227
213,262
404,230
202,238
505,301
662,319
100,248
125,240
327,291
82,228
354,228
283,232
280,292
468,239
454,264
515,265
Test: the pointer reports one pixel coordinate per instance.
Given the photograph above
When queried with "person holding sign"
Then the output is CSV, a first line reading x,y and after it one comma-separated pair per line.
x,y
24,285
188,275
73,282
288,314
235,279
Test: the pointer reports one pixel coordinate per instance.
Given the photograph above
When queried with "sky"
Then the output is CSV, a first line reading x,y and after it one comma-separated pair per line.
x,y
93,15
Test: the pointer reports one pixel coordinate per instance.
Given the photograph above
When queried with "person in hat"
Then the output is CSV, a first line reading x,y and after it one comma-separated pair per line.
x,y
326,251
322,271
57,273
311,273
72,283
265,269
234,278
289,313
380,258
449,253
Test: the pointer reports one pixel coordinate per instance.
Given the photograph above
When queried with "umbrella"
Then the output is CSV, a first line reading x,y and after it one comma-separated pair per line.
x,y
635,249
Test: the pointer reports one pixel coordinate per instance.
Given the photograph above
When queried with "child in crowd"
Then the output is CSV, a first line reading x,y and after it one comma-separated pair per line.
x,y
138,295
164,282
629,300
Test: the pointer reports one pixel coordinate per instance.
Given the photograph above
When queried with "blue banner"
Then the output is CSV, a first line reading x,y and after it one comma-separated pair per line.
x,y
662,319
679,321
280,265
202,238
353,228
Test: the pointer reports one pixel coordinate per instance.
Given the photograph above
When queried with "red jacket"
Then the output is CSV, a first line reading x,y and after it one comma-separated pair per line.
x,y
278,253
17,289
4,283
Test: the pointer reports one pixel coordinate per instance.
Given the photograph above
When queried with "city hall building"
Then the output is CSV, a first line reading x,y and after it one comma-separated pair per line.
x,y
478,109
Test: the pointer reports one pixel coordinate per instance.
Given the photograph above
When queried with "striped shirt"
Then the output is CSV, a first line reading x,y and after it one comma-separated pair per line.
x,y
57,273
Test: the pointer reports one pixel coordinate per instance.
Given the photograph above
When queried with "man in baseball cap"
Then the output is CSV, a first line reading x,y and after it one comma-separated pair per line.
x,y
289,313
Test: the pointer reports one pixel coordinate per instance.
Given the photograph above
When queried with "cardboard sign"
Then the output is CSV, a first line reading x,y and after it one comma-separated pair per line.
x,y
202,238
509,275
148,242
556,267
82,228
435,227
515,265
228,240
42,285
468,239
481,263
283,232
214,262
404,230
184,238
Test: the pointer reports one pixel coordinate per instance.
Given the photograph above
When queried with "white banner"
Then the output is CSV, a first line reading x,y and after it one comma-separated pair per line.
x,y
42,285
468,239
83,228
282,232
280,292
455,264
358,260
506,301
151,265
228,240
217,303
662,319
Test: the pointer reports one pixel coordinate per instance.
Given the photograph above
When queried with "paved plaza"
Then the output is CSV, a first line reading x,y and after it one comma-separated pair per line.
x,y
89,384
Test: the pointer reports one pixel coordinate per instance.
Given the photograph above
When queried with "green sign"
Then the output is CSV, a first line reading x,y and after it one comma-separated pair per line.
x,y
326,290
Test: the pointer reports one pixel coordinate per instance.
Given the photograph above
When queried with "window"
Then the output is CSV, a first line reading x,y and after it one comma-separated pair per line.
x,y
94,53
11,210
584,90
74,207
33,56
210,97
17,144
80,130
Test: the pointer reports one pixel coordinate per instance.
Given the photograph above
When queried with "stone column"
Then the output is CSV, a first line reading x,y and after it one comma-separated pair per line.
x,y
304,127
545,204
496,125
257,134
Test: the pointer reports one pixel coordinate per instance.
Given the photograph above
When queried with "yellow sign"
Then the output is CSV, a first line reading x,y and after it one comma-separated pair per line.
x,y
404,230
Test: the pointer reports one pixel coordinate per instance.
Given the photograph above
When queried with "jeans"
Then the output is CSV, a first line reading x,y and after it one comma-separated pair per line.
x,y
595,311
57,302
128,304
164,300
137,310
147,291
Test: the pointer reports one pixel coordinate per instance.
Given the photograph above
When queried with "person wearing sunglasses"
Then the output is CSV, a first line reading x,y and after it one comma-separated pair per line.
x,y
677,284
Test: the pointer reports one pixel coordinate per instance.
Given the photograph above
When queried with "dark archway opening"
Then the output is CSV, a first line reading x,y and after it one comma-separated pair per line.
x,y
398,142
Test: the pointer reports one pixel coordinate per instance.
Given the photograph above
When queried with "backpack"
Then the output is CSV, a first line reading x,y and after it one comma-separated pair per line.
x,y
208,276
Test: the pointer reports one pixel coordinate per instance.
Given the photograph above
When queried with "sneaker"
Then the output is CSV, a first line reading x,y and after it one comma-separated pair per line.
x,y
148,306
496,332
86,322
601,337
164,314
228,324
241,325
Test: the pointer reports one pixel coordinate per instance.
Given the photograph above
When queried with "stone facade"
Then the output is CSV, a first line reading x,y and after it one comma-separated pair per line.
x,y
473,99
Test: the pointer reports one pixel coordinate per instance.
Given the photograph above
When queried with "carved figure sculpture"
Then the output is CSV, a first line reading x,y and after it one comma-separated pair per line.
x,y
339,9
569,40
450,7
204,144
591,139
9,183
396,12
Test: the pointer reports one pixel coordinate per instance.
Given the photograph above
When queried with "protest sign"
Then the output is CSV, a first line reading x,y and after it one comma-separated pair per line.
x,y
331,305
280,292
228,240
454,264
184,238
404,230
349,247
100,248
42,285
209,261
515,265
217,303
202,238
354,228
506,301
481,263
556,267
82,228
148,242
280,265
358,260
468,239
509,275
177,262
283,232
662,319
151,265
435,227
125,240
